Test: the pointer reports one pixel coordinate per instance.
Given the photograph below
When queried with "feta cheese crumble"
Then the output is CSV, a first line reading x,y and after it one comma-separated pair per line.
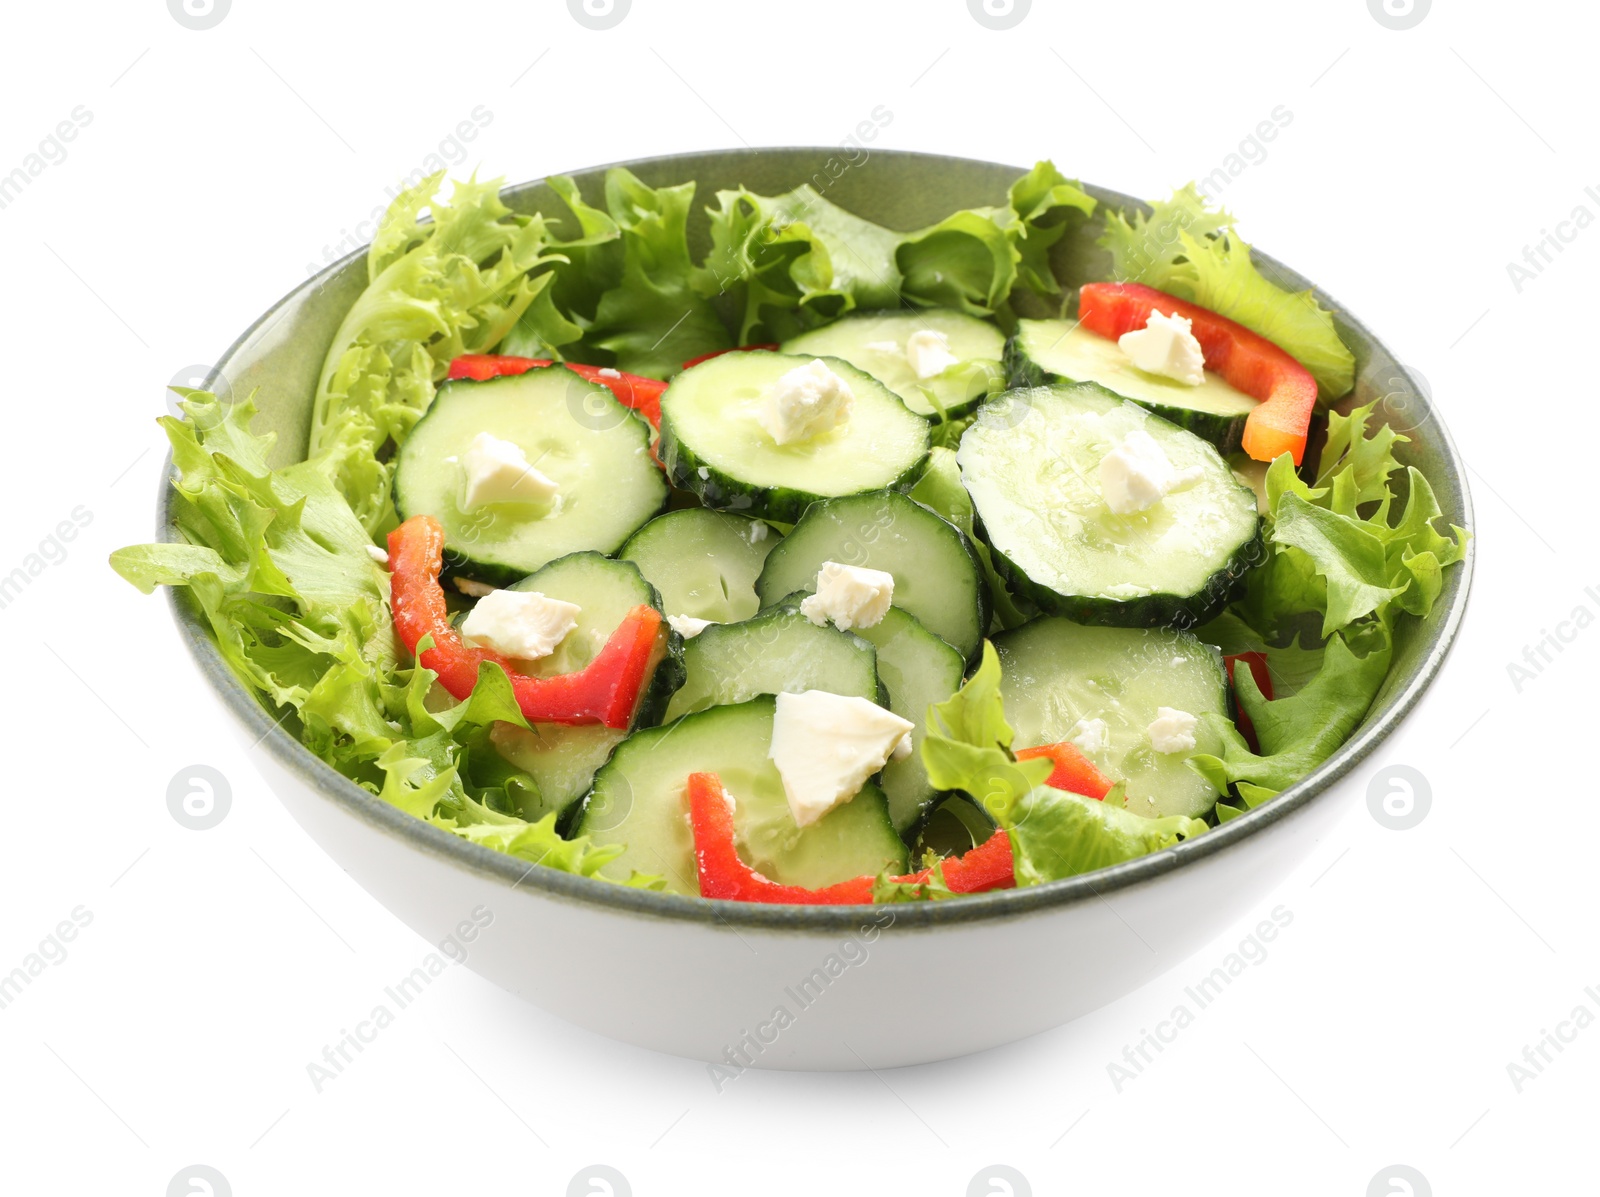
x,y
1090,736
1173,730
1166,346
473,589
521,624
825,746
688,626
928,353
1136,474
806,402
850,596
497,471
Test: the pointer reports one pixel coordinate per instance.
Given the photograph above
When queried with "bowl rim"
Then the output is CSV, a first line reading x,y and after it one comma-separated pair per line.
x,y
295,758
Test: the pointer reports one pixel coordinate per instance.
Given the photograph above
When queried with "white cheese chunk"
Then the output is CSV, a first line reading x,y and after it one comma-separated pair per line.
x,y
806,402
851,596
1090,736
608,372
522,624
1136,474
497,471
688,626
928,353
902,749
473,589
759,532
1166,346
1173,730
381,556
885,347
826,746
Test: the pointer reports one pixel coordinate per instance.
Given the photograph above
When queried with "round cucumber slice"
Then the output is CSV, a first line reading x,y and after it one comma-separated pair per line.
x,y
638,801
1044,351
1031,459
876,342
704,563
713,444
575,433
937,577
1055,673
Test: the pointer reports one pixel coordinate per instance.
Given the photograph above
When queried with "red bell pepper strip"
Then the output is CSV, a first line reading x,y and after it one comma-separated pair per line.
x,y
634,392
1250,363
1257,661
604,691
1073,771
706,357
724,875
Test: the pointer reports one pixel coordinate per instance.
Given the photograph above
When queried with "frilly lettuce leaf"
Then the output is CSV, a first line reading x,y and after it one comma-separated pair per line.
x,y
279,565
655,318
1192,252
1055,834
455,285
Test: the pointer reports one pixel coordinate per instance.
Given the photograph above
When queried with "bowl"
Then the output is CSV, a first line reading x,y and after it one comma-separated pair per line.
x,y
800,987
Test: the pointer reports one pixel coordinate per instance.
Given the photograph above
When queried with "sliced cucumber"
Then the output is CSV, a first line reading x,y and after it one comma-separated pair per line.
x,y
560,759
918,669
713,444
779,651
876,342
1031,463
952,826
575,433
1055,673
704,563
1043,351
937,576
638,801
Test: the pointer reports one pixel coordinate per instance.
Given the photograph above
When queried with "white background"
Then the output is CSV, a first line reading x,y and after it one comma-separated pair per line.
x,y
216,168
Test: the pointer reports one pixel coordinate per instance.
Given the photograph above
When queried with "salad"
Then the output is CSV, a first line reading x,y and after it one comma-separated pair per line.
x,y
836,565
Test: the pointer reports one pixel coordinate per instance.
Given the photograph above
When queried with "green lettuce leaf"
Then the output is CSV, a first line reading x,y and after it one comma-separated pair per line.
x,y
1192,252
1053,834
455,285
278,563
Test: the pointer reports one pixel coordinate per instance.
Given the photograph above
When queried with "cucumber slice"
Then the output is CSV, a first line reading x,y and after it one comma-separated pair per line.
x,y
1031,463
952,826
919,669
712,443
937,577
1055,673
876,342
779,651
560,759
638,801
1043,351
704,563
574,432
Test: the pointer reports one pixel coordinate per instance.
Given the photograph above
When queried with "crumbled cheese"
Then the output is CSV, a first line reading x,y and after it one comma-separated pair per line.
x,y
1136,474
806,402
688,626
759,532
851,596
473,589
825,746
381,556
497,471
1173,730
1091,736
902,749
883,347
928,353
1166,346
608,372
522,624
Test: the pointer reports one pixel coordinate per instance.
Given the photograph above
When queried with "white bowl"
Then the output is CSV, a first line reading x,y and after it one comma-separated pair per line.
x,y
809,987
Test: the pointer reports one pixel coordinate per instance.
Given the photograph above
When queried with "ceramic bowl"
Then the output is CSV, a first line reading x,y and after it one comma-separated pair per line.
x,y
803,987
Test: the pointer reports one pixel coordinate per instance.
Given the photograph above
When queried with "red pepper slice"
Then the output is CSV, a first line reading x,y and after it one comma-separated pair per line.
x,y
1251,363
1257,661
634,392
604,691
724,875
1073,771
706,357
